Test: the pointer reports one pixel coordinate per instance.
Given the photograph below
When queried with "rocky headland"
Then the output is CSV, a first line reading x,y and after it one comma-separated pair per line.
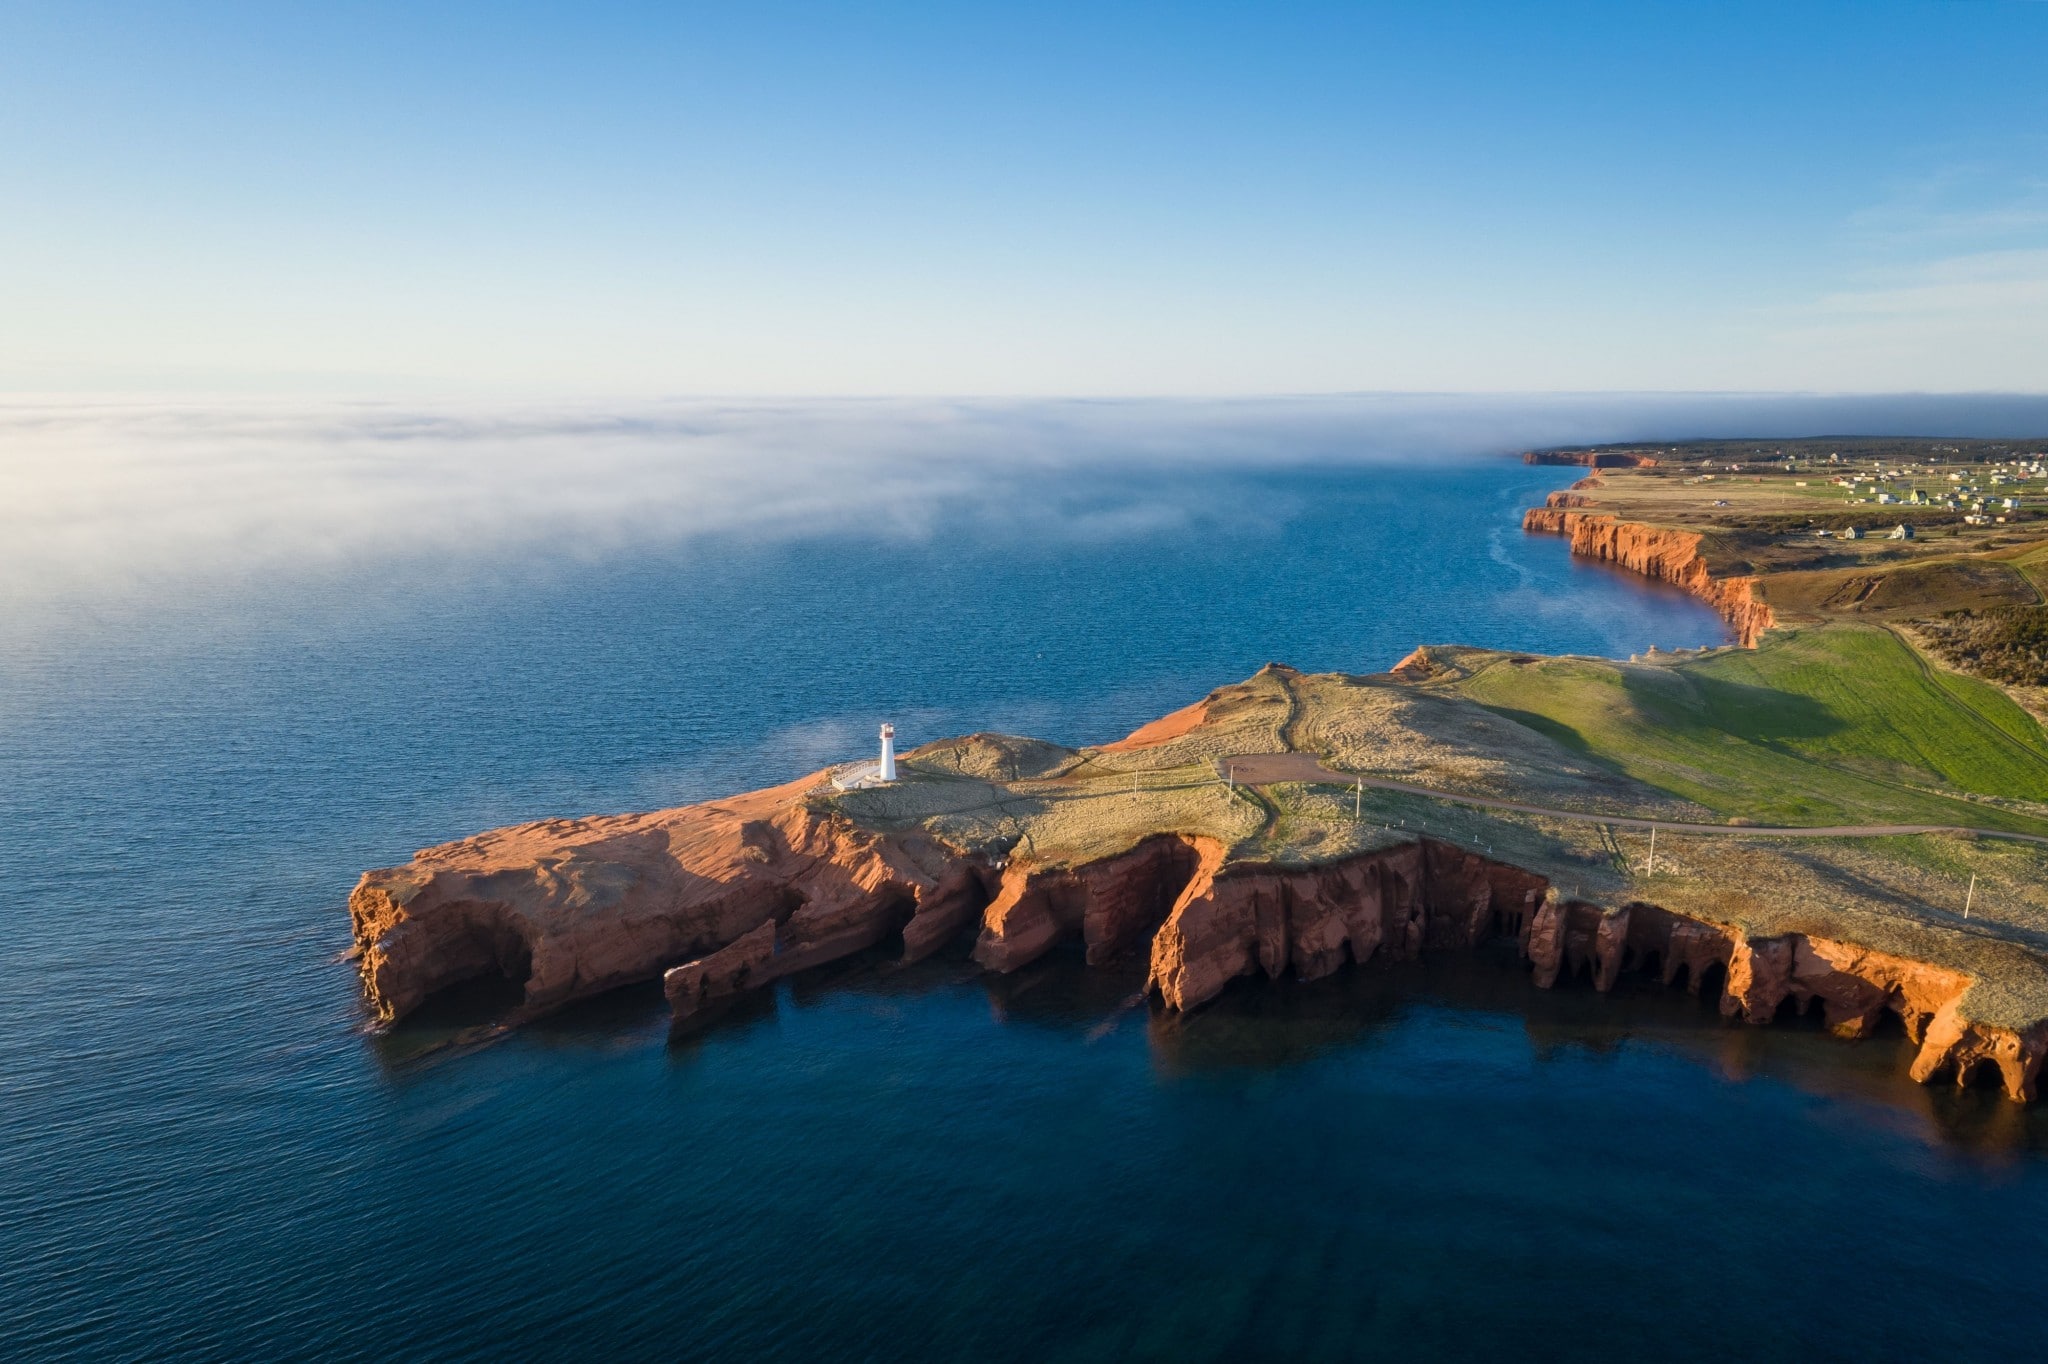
x,y
1845,829
1151,850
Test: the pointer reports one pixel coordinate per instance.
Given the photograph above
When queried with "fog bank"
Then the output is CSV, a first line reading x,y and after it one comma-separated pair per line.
x,y
108,502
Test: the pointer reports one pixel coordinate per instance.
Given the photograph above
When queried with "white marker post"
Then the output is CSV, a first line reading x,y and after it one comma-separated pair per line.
x,y
1651,870
1358,801
1971,897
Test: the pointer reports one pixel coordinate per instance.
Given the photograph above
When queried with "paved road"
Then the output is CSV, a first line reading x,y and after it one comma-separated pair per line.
x,y
1258,769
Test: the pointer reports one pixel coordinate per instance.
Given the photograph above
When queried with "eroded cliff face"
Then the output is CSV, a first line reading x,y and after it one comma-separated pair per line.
x,y
1595,459
1658,552
567,908
1230,920
1247,919
725,898
1113,906
1758,979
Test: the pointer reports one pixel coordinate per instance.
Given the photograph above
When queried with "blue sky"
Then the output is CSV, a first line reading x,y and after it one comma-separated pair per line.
x,y
614,199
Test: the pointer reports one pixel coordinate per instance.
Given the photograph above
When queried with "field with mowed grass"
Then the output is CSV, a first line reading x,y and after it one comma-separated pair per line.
x,y
1840,724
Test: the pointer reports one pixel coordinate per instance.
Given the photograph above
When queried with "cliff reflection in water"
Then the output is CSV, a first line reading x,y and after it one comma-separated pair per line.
x,y
1478,1011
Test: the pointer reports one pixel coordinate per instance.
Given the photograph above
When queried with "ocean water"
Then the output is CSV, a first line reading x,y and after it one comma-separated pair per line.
x,y
205,1155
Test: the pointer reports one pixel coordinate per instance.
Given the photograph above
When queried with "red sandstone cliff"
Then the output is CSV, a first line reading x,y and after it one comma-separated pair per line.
x,y
1596,459
1658,552
1851,986
1250,919
728,896
755,887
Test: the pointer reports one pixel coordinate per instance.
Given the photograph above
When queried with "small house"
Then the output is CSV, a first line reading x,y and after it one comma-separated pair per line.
x,y
1853,533
1902,531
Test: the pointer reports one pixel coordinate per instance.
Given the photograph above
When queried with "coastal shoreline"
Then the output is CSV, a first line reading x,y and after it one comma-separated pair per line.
x,y
724,898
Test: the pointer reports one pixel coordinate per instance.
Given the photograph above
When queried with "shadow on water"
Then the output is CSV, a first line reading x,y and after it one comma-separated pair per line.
x,y
486,1009
464,1016
1061,992
728,1018
1259,1025
626,1016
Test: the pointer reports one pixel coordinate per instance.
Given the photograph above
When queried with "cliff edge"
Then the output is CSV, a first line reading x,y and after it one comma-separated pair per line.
x,y
1286,826
1666,554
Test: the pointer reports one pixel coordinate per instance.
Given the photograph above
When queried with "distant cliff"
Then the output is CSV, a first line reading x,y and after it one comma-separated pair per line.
x,y
1594,459
1673,556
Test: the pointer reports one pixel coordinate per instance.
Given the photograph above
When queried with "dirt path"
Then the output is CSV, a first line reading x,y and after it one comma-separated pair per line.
x,y
1260,769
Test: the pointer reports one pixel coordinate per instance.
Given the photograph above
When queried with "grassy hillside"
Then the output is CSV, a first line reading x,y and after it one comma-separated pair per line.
x,y
1837,725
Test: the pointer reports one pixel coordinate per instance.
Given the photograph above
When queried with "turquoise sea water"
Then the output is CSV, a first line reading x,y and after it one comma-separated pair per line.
x,y
204,1156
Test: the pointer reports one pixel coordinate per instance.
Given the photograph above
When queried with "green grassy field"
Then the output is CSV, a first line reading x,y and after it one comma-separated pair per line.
x,y
1843,724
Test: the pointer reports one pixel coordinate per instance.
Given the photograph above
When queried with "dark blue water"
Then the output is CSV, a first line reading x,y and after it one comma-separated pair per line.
x,y
202,1155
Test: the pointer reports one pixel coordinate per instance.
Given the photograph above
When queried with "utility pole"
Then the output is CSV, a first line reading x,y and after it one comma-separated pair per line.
x,y
1651,870
1358,801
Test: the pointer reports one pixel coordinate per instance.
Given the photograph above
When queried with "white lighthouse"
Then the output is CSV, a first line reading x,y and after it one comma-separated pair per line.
x,y
888,769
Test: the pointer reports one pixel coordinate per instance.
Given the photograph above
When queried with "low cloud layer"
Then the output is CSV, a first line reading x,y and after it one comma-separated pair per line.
x,y
123,502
